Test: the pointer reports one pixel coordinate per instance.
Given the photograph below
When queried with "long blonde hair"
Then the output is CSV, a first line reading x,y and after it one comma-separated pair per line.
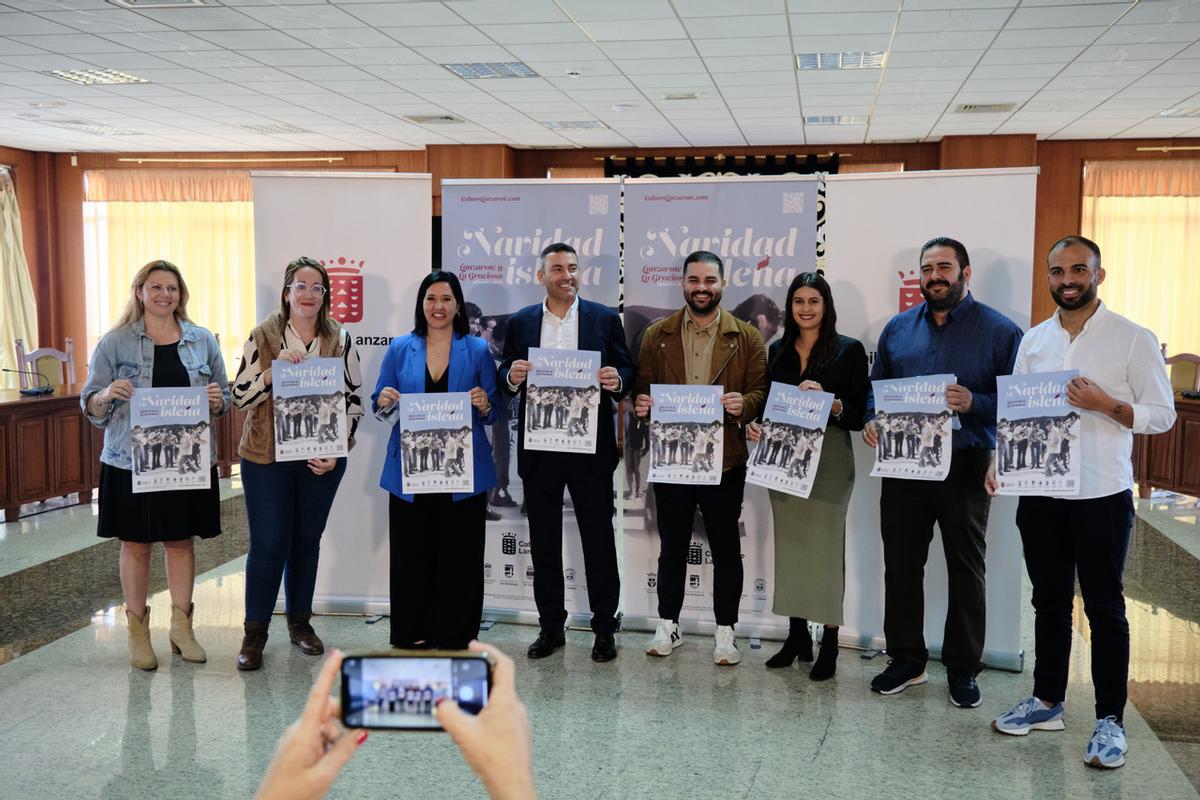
x,y
135,310
325,325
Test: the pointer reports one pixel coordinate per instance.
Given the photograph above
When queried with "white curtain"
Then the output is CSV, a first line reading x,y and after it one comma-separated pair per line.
x,y
18,308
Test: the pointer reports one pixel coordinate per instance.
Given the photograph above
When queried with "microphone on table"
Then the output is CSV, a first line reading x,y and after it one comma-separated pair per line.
x,y
35,391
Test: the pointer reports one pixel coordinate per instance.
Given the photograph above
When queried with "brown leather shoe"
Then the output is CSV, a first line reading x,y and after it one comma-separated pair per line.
x,y
253,642
303,635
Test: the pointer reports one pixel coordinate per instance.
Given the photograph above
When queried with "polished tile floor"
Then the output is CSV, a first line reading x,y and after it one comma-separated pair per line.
x,y
79,723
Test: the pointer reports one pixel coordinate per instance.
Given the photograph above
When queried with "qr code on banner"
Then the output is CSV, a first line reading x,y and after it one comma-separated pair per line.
x,y
793,202
597,204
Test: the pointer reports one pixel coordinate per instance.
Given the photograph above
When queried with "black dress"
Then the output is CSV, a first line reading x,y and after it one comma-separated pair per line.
x,y
158,516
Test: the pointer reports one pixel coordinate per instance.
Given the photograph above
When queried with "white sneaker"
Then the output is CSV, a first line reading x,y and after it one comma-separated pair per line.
x,y
725,652
666,639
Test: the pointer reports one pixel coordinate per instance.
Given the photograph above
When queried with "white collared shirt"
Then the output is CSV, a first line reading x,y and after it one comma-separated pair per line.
x,y
1124,359
561,334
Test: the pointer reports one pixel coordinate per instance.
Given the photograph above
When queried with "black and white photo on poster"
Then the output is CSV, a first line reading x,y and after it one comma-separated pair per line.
x,y
789,448
687,437
436,453
170,434
1036,432
914,425
562,400
310,409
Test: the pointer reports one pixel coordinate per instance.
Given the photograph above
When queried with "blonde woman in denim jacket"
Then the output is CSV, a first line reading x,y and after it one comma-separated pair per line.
x,y
154,344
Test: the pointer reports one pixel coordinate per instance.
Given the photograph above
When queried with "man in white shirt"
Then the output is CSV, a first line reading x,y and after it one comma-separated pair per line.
x,y
1122,388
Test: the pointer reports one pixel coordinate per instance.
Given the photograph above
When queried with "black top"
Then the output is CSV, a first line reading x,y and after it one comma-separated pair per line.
x,y
442,384
844,376
168,369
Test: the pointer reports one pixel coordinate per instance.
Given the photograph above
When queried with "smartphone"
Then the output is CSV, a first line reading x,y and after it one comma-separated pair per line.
x,y
398,690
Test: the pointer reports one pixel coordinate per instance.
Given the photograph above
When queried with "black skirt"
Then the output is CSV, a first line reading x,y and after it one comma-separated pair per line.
x,y
156,516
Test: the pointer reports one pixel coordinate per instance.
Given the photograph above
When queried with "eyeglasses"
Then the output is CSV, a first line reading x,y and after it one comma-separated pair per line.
x,y
317,289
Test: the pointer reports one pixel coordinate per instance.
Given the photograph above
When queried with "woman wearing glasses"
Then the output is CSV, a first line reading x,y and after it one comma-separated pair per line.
x,y
287,502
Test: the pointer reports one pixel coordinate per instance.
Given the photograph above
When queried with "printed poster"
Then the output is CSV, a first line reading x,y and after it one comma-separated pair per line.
x,y
786,456
914,426
687,437
170,435
562,400
310,409
435,443
1037,433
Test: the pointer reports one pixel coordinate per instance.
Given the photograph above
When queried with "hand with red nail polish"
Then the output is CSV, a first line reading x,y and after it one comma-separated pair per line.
x,y
314,748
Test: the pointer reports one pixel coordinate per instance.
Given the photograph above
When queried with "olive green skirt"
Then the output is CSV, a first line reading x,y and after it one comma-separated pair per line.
x,y
810,537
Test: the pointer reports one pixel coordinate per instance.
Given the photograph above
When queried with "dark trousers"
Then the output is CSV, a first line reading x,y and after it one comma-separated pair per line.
x,y
286,507
590,484
907,511
436,569
1062,538
500,443
721,506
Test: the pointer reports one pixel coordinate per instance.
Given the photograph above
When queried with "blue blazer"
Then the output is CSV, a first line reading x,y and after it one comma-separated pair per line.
x,y
471,365
600,329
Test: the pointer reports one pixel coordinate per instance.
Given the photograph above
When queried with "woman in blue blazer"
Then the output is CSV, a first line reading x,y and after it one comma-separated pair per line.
x,y
437,539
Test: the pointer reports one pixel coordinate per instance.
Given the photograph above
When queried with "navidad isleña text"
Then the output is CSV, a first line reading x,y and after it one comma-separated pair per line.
x,y
437,410
925,392
1044,394
798,406
173,406
692,404
570,368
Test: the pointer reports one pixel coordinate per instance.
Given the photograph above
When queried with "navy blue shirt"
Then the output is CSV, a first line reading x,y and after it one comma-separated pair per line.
x,y
976,344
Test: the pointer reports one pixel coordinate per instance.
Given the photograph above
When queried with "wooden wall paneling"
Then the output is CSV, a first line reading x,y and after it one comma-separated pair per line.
x,y
69,445
468,161
70,291
32,440
1189,455
5,457
988,152
1164,447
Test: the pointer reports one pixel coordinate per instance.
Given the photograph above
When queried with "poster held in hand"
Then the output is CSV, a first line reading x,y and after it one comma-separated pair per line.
x,y
789,450
170,431
1037,432
310,409
913,422
687,437
435,443
562,400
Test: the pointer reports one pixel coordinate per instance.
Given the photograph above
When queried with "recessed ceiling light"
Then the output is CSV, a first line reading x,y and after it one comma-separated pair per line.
x,y
47,104
478,71
680,96
836,120
96,77
985,108
1174,113
83,126
856,59
273,128
624,107
580,124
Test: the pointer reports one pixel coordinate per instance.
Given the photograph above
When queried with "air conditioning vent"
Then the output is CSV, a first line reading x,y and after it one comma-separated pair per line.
x,y
840,120
434,119
985,108
479,71
276,128
579,124
857,59
1176,113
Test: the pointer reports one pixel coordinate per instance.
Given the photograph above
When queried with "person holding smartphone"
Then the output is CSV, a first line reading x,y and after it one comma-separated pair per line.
x,y
288,502
437,540
153,344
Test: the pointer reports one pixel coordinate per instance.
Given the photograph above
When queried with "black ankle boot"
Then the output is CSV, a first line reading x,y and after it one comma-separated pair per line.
x,y
826,664
798,645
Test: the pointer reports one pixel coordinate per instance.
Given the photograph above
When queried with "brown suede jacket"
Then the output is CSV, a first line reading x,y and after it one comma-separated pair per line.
x,y
739,364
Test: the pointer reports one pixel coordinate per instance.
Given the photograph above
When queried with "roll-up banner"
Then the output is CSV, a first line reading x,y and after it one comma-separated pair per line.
x,y
371,231
764,229
874,229
492,234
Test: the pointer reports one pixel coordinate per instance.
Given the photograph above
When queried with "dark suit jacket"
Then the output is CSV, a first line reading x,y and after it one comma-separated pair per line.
x,y
600,330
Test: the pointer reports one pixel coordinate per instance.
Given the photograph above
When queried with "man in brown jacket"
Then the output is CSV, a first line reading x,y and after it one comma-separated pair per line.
x,y
702,345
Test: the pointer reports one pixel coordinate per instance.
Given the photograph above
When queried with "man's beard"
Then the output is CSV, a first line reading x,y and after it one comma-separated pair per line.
x,y
713,304
952,298
1086,296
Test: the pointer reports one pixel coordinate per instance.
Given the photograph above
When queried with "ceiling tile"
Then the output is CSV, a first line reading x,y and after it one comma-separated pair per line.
x,y
376,56
291,16
937,58
535,33
1111,53
1049,39
497,12
748,26
438,35
749,64
663,48
1164,13
840,23
566,52
251,40
202,19
20,24
343,38
957,20
465,54
309,57
1152,34
946,40
1071,16
760,45
723,8
839,43
661,66
1031,55
617,10
644,29
999,71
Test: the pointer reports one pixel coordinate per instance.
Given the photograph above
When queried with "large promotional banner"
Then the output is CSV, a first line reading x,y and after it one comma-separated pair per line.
x,y
492,234
875,226
764,229
371,231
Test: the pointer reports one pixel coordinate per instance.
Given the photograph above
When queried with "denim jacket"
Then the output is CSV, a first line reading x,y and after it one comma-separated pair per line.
x,y
129,353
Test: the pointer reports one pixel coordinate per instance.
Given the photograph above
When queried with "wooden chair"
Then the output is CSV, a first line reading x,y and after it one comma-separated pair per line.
x,y
1185,372
56,366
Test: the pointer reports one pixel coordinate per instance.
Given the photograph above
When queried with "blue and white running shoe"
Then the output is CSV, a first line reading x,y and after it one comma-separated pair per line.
x,y
1108,747
1030,715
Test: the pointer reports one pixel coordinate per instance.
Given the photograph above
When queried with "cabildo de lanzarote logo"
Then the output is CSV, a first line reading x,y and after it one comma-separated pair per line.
x,y
346,284
910,289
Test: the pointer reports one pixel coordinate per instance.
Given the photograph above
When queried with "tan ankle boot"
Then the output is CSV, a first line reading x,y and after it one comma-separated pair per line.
x,y
141,654
182,640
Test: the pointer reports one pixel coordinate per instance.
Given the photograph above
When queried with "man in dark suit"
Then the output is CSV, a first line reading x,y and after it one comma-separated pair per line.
x,y
566,321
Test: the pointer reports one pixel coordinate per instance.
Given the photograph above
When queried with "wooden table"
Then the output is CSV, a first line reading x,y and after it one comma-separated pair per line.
x,y
1170,460
48,448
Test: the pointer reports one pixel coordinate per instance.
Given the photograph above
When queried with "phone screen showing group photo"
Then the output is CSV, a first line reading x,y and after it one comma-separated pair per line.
x,y
400,693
